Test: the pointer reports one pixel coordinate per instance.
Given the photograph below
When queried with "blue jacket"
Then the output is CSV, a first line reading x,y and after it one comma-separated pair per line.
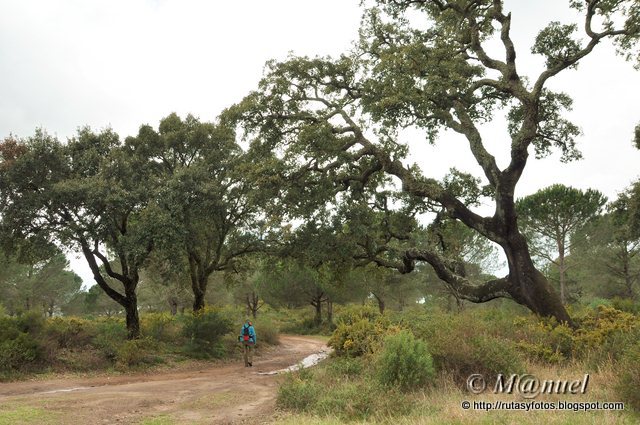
x,y
252,333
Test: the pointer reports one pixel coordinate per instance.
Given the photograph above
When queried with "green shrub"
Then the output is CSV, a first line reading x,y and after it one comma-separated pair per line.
x,y
493,356
345,366
308,326
362,400
18,352
204,331
18,347
349,400
362,336
109,334
544,339
267,332
135,352
320,393
161,327
597,302
629,376
31,322
354,313
626,304
464,346
298,392
70,332
8,328
604,334
404,362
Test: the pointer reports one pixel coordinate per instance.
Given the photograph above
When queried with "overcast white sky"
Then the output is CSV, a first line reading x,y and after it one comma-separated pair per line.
x,y
122,63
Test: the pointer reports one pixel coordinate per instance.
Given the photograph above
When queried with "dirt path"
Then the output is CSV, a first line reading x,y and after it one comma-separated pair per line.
x,y
222,394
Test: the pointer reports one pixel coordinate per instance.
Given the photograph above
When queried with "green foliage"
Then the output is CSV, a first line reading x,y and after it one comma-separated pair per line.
x,y
597,302
353,313
308,326
604,333
204,331
558,210
342,367
135,352
162,327
71,331
627,305
110,332
299,321
404,362
360,337
350,397
267,332
298,392
359,330
333,125
348,401
629,376
555,43
607,261
18,352
205,177
31,322
544,340
18,347
553,214
468,343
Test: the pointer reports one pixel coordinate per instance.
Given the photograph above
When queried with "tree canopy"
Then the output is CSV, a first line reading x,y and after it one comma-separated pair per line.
x,y
425,64
91,194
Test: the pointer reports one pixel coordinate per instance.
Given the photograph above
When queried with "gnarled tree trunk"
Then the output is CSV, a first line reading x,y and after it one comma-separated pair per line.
x,y
528,286
129,280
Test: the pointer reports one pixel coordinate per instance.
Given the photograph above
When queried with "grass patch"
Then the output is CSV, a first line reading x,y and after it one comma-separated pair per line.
x,y
329,403
158,420
19,415
336,389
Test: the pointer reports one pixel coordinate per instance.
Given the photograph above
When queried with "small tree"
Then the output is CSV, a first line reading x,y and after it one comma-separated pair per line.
x,y
248,284
56,285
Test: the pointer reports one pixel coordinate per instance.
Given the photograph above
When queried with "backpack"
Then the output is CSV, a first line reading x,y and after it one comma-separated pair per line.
x,y
245,333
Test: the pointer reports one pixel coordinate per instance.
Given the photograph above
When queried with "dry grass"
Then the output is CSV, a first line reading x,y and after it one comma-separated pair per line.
x,y
442,405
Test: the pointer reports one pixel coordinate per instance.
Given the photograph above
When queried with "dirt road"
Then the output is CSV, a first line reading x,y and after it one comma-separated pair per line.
x,y
221,394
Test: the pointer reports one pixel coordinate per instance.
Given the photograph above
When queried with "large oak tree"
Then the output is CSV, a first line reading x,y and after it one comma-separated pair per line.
x,y
426,64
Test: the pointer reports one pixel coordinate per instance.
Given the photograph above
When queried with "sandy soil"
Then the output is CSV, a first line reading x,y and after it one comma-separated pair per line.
x,y
221,394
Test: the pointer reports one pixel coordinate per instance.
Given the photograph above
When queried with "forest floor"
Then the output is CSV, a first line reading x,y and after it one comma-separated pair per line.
x,y
226,393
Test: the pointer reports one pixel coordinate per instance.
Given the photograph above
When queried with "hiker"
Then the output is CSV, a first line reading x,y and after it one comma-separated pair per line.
x,y
248,340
